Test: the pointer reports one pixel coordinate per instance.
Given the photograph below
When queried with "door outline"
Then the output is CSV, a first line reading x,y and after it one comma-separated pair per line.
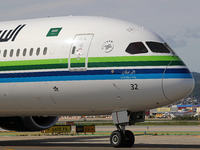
x,y
78,55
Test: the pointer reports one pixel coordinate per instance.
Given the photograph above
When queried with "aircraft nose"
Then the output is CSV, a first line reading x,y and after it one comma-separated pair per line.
x,y
177,84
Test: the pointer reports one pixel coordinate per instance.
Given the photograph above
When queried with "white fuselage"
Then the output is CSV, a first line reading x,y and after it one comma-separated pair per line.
x,y
79,66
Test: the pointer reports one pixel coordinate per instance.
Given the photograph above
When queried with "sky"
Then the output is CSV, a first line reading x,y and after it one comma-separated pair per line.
x,y
176,21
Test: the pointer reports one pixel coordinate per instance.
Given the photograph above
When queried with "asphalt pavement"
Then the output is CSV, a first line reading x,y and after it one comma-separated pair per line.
x,y
96,142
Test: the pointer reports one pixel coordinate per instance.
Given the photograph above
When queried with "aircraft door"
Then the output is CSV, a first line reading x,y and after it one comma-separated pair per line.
x,y
78,57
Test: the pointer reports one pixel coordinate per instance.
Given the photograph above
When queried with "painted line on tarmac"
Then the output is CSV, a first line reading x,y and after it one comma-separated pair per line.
x,y
4,148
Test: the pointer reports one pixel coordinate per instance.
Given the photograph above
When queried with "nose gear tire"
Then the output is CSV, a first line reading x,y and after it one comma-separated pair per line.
x,y
118,139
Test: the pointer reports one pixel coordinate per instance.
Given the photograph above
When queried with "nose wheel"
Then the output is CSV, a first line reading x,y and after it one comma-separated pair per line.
x,y
122,138
130,138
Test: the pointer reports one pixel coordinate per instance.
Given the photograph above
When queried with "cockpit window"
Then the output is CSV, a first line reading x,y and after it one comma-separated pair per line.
x,y
136,48
157,47
169,48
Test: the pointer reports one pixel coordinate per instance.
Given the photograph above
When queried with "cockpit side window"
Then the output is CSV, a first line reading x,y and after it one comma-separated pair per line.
x,y
169,48
157,47
136,48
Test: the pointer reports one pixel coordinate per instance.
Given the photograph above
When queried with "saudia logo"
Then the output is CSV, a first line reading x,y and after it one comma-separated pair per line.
x,y
6,35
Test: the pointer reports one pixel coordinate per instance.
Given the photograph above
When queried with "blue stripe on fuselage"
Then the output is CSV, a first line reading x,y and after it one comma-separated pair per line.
x,y
117,74
92,72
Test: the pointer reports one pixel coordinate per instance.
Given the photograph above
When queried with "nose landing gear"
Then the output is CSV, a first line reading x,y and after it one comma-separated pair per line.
x,y
122,137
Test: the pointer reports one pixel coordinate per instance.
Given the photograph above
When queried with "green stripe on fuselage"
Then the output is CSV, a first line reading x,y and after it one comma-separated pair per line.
x,y
92,62
133,58
33,62
33,67
134,61
74,62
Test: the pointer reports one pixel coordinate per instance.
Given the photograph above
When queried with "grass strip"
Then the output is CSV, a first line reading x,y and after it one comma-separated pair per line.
x,y
101,133
188,123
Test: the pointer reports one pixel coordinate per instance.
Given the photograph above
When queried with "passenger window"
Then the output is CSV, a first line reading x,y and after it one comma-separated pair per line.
x,y
24,52
31,52
73,50
136,48
157,47
4,53
11,53
45,51
38,51
17,53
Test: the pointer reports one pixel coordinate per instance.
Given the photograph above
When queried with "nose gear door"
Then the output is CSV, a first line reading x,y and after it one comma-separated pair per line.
x,y
78,57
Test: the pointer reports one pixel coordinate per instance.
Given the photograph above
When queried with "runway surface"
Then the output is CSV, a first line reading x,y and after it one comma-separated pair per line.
x,y
158,142
99,143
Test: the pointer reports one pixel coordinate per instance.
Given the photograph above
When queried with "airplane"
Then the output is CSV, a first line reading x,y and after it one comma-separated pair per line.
x,y
183,112
82,65
173,114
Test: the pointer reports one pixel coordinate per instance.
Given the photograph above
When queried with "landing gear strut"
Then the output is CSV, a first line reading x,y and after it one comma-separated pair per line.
x,y
122,137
